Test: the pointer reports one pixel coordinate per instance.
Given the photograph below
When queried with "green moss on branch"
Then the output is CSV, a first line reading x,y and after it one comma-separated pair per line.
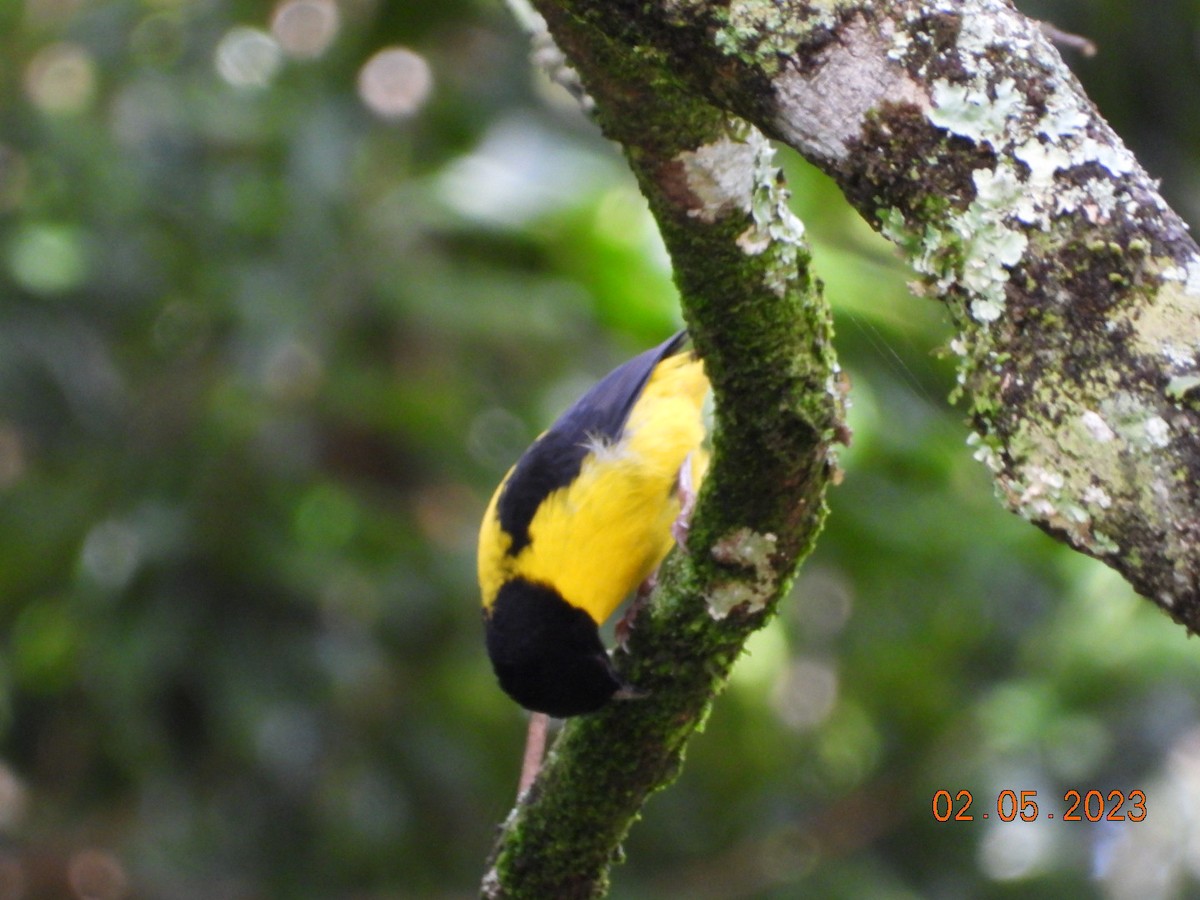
x,y
758,319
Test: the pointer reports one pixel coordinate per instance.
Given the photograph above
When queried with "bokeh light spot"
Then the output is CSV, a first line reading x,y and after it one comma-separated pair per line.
x,y
521,171
1158,857
824,599
292,371
395,83
48,259
1016,850
764,658
305,28
97,875
248,57
806,694
111,554
61,78
288,741
14,801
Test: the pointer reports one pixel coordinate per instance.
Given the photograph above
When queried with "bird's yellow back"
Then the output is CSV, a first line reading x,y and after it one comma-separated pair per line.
x,y
595,539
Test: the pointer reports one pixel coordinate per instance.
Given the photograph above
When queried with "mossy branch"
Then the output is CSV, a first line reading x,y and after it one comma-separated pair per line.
x,y
956,129
763,329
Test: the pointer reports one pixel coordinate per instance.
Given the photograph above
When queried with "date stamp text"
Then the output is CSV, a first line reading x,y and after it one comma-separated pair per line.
x,y
1077,806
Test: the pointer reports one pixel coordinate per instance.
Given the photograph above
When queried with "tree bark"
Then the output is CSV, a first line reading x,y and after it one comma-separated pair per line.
x,y
955,128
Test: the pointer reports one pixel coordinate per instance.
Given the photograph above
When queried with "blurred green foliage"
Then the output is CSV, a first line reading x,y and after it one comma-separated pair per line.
x,y
278,308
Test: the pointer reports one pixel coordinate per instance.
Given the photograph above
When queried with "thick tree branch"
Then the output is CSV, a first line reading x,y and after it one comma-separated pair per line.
x,y
955,128
759,322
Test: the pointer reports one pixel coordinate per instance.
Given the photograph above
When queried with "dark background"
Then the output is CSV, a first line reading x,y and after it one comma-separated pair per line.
x,y
264,353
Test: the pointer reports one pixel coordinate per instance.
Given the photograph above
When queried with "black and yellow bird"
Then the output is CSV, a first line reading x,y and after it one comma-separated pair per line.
x,y
583,518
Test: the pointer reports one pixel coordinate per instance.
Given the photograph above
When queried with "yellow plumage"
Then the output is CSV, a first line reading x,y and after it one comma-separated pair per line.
x,y
589,542
598,538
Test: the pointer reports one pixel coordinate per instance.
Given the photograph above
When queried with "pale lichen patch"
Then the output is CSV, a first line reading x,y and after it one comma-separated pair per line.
x,y
992,247
1093,424
1156,431
753,240
1116,158
1181,386
1073,495
901,44
745,548
762,32
1048,497
752,551
1065,116
730,595
1188,273
720,176
1191,286
737,175
968,111
1044,161
1169,327
773,225
976,249
985,452
1096,199
1035,141
988,29
1137,425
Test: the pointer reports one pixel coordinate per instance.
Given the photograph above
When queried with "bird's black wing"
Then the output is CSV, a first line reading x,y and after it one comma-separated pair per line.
x,y
554,459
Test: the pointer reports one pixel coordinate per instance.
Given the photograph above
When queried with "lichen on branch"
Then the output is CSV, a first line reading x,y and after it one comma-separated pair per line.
x,y
956,129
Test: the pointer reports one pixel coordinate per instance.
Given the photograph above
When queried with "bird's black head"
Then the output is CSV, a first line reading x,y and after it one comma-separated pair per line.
x,y
546,653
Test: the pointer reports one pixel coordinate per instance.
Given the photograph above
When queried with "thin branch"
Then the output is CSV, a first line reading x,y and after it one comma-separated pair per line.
x,y
1085,46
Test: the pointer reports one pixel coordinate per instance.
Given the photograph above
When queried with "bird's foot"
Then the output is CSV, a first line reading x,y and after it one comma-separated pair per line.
x,y
535,750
